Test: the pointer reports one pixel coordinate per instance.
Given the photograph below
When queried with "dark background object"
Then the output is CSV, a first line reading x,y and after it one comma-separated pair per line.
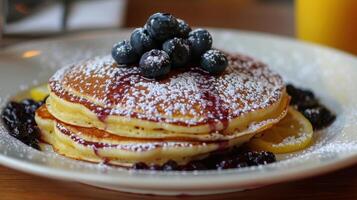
x,y
273,16
18,9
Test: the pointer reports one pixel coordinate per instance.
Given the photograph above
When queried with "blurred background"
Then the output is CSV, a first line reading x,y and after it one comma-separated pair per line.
x,y
329,22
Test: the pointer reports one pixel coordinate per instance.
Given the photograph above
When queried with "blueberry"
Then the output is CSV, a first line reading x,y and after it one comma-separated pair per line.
x,y
214,61
254,158
300,96
319,117
30,106
183,28
141,41
306,102
200,41
242,165
155,63
178,50
265,157
19,120
226,164
28,102
140,165
33,144
210,162
12,113
162,26
170,166
155,167
123,53
194,165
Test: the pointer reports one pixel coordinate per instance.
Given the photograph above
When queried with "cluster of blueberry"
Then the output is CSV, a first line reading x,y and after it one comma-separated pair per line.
x,y
306,102
19,119
166,42
236,158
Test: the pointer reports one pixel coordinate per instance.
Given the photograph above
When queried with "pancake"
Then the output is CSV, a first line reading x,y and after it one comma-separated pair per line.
x,y
189,104
94,145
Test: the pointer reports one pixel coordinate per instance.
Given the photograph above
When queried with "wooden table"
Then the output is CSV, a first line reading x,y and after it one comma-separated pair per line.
x,y
19,186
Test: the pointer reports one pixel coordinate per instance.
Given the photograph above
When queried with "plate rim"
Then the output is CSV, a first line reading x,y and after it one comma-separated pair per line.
x,y
194,182
134,181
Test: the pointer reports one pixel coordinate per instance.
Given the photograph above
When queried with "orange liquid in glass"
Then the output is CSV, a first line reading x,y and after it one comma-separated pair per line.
x,y
328,22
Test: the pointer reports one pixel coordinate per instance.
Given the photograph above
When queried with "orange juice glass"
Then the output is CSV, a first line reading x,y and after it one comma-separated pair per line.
x,y
328,22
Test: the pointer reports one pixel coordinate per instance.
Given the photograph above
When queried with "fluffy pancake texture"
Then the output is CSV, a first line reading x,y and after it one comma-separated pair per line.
x,y
99,93
98,110
96,145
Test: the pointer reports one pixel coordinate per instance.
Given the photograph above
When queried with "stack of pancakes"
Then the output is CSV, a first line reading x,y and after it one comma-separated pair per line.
x,y
100,111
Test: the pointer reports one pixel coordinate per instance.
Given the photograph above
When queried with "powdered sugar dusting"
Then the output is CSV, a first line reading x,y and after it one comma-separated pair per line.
x,y
305,66
292,140
246,85
211,56
134,146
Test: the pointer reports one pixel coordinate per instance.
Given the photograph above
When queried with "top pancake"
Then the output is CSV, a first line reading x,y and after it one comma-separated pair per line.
x,y
190,99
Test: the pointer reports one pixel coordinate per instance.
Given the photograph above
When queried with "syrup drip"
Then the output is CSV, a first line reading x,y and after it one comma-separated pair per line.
x,y
214,102
105,160
99,145
121,87
210,94
219,115
94,145
115,94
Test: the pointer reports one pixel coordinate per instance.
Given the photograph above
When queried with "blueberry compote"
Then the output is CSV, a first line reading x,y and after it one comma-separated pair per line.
x,y
236,158
19,119
306,102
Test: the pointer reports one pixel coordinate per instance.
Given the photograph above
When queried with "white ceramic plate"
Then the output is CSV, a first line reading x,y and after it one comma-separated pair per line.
x,y
331,74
